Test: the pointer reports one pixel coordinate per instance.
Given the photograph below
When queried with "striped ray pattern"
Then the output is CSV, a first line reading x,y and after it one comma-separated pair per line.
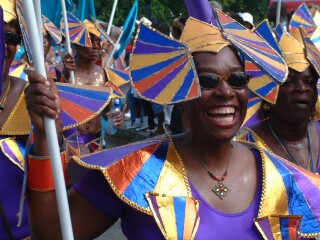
x,y
302,17
52,29
24,29
17,69
254,104
117,76
304,192
80,103
116,92
312,52
253,47
287,227
179,219
173,76
77,31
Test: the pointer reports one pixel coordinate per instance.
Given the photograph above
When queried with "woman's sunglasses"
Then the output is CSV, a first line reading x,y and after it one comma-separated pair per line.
x,y
235,80
11,38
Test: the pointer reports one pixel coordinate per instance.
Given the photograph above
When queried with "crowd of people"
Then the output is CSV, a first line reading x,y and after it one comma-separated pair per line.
x,y
199,171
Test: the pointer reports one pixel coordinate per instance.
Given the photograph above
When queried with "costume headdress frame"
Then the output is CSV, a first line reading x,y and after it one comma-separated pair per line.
x,y
162,68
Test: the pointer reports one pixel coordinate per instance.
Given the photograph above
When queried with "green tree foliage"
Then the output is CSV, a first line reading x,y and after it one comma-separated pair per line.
x,y
161,11
165,10
258,8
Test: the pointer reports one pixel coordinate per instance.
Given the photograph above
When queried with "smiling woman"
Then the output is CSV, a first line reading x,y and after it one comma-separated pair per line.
x,y
197,184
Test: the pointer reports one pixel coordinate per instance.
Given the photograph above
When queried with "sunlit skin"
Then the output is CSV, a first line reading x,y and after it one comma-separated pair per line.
x,y
197,111
205,140
297,98
90,53
46,43
209,135
84,69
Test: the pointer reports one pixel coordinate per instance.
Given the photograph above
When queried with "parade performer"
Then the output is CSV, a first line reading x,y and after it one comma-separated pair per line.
x,y
15,126
288,116
87,72
185,186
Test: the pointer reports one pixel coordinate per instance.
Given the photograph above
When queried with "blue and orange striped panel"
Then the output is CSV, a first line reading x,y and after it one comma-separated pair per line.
x,y
177,217
79,103
253,47
265,32
304,193
302,17
24,29
77,31
117,77
313,54
162,68
52,29
17,69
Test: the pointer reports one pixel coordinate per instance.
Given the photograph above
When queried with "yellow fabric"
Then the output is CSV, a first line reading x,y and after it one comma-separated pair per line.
x,y
91,28
202,37
18,122
9,10
294,53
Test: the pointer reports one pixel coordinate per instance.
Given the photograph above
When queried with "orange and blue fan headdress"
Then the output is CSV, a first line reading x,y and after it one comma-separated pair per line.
x,y
299,53
302,18
78,31
53,31
162,69
117,76
103,34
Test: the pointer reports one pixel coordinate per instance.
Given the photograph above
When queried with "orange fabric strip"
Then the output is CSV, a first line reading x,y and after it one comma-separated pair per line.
x,y
40,177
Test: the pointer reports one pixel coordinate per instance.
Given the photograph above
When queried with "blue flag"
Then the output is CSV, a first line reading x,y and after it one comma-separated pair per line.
x,y
85,9
52,10
128,29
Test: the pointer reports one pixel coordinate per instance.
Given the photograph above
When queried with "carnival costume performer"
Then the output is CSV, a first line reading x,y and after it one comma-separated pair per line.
x,y
185,186
288,114
15,125
87,72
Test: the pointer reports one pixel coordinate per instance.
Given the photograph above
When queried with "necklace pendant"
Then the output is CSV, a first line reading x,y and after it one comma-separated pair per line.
x,y
220,190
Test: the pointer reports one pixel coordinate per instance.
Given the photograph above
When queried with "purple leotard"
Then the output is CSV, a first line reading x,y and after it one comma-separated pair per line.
x,y
137,225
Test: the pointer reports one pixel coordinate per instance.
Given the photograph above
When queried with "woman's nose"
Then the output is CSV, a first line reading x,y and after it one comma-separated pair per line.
x,y
224,90
301,86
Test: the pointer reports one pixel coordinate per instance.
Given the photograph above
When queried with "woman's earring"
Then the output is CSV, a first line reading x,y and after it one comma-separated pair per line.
x,y
266,106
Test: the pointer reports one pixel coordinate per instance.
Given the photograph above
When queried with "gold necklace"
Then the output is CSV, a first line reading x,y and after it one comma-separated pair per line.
x,y
5,95
219,189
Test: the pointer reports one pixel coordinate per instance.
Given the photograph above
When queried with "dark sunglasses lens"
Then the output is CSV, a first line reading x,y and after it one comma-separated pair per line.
x,y
12,38
238,80
209,81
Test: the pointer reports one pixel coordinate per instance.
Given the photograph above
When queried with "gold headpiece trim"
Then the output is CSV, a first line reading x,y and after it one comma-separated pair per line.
x,y
294,53
9,10
203,37
92,28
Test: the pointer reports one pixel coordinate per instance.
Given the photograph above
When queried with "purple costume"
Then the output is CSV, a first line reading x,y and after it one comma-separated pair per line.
x,y
11,177
137,225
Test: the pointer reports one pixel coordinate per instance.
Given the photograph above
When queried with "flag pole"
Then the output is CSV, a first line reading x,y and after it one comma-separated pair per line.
x,y
37,9
53,145
115,3
278,12
67,37
115,48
